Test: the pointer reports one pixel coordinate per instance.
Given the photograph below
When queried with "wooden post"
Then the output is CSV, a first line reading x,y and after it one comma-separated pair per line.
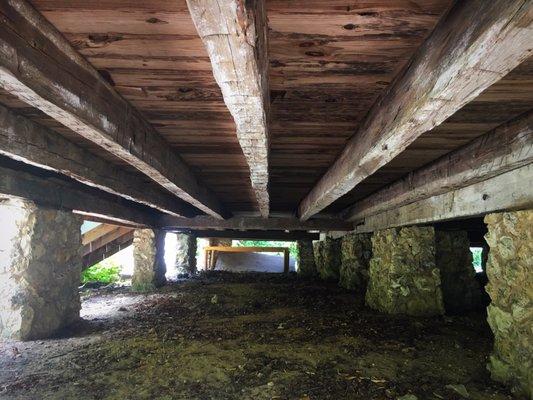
x,y
286,259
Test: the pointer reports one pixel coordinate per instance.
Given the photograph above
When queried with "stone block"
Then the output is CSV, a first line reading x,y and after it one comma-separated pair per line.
x,y
148,259
40,270
510,315
356,252
327,258
306,258
403,277
186,253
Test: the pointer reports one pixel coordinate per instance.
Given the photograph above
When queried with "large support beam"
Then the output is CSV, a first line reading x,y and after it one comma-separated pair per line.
x,y
169,222
235,35
40,67
509,191
474,45
51,190
256,235
507,147
27,141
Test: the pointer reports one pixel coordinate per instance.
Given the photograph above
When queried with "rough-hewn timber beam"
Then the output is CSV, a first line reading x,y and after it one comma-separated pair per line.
x,y
170,222
27,141
254,235
507,147
40,67
474,45
509,191
52,190
235,35
107,250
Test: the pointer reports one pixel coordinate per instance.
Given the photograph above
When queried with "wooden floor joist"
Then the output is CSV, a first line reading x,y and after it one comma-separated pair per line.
x,y
40,67
52,190
253,235
474,45
27,141
507,147
169,222
235,35
509,191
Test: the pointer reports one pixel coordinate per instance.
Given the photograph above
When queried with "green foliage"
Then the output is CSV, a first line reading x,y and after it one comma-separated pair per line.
x,y
106,271
268,243
476,257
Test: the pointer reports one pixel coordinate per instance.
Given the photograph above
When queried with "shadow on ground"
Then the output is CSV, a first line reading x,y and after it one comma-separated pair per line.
x,y
250,336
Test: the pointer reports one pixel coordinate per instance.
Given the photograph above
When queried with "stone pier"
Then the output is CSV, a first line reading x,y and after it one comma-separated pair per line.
x,y
403,276
356,251
306,258
40,268
328,258
148,259
460,289
510,315
186,253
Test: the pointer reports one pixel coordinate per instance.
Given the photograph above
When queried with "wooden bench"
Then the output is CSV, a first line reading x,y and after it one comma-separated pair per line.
x,y
211,253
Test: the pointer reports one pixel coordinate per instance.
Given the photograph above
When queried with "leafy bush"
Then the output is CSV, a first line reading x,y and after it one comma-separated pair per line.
x,y
106,271
476,258
268,243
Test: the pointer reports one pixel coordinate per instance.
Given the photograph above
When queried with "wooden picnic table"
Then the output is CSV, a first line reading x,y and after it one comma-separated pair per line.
x,y
211,253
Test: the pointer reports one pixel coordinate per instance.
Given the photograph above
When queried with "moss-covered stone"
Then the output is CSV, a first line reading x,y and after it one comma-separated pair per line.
x,y
306,258
40,269
460,289
356,251
148,259
403,277
510,315
328,258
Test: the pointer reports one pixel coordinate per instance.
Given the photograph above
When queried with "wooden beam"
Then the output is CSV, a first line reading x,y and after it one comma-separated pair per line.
x,y
235,35
253,235
40,67
97,232
52,190
27,141
169,222
474,45
507,147
509,191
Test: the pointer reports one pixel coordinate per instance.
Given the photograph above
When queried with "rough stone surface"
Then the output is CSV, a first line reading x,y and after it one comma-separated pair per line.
x,y
40,268
510,315
306,258
327,258
403,277
460,289
148,259
356,251
186,253
220,242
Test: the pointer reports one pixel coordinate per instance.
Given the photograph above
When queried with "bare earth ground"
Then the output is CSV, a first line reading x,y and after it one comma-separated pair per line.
x,y
249,336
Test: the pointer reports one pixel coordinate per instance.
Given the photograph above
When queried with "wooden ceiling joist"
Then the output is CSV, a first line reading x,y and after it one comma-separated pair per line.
x,y
474,45
507,147
235,35
169,222
27,141
509,191
40,67
254,235
49,189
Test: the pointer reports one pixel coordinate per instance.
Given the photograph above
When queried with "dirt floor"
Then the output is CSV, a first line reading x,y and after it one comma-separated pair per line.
x,y
250,336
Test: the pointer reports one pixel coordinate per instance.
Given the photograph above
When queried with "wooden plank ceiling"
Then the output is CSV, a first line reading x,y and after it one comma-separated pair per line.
x,y
329,62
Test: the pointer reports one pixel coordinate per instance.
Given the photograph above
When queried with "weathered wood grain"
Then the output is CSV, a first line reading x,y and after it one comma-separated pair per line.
x,y
253,235
254,223
508,191
508,147
40,67
235,35
24,140
475,45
